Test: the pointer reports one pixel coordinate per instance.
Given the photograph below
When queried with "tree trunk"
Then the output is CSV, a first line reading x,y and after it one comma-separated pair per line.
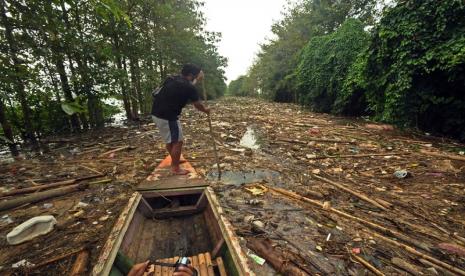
x,y
126,103
66,90
68,50
120,78
53,80
7,130
136,99
132,100
161,68
19,85
95,112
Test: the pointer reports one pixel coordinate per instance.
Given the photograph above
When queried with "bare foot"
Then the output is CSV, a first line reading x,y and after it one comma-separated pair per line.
x,y
179,171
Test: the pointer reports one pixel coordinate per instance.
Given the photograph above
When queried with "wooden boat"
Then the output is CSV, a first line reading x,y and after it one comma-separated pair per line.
x,y
171,216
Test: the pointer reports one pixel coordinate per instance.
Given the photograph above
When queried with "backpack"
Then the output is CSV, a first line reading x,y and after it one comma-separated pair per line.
x,y
159,88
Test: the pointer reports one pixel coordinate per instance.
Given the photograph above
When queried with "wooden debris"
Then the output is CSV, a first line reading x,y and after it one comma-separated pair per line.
x,y
419,254
15,202
113,151
48,186
452,248
367,265
80,265
441,270
351,217
315,140
445,156
357,194
91,169
411,268
360,155
264,249
103,181
58,258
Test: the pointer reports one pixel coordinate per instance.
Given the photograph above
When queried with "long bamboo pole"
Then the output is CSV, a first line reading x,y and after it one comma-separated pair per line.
x,y
217,159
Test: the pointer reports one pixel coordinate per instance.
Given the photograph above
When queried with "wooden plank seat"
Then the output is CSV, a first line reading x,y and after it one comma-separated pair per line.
x,y
202,262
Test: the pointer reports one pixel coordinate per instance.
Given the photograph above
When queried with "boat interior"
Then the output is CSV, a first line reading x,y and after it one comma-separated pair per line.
x,y
167,225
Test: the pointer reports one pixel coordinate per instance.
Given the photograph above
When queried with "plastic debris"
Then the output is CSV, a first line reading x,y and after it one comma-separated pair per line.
x,y
5,219
22,263
258,226
356,250
248,219
104,218
48,205
257,190
257,259
82,204
30,229
401,174
255,202
328,237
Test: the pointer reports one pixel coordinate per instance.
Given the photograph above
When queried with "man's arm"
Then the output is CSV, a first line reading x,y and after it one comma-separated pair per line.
x,y
200,107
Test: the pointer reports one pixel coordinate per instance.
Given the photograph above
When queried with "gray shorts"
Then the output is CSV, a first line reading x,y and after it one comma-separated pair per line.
x,y
170,131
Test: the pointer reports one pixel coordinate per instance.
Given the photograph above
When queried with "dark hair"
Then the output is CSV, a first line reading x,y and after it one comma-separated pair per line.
x,y
190,69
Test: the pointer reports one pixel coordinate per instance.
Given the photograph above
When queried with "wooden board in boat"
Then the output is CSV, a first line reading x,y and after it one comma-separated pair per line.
x,y
162,178
202,262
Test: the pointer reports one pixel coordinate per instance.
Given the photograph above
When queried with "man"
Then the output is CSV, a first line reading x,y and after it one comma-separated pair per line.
x,y
168,102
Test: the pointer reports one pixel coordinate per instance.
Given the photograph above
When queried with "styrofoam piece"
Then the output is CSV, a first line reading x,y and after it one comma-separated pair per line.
x,y
30,229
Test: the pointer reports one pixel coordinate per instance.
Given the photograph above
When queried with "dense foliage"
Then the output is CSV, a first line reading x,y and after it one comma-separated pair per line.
x,y
324,64
272,73
60,59
407,68
237,87
416,66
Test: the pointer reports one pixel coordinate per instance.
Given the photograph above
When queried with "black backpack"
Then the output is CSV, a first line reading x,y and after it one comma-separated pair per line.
x,y
159,88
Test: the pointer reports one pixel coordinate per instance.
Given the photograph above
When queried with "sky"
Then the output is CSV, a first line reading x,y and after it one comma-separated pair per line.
x,y
244,24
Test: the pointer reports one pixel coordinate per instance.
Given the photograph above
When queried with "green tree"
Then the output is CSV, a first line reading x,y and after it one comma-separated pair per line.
x,y
324,64
273,70
416,66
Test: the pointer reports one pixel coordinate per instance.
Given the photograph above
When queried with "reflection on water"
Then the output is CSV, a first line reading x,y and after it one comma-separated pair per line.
x,y
239,177
5,155
250,140
119,118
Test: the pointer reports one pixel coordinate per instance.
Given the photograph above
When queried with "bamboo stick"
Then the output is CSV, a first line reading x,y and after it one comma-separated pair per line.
x,y
445,156
58,258
47,186
367,265
81,263
419,254
357,194
15,202
413,269
212,135
360,155
113,151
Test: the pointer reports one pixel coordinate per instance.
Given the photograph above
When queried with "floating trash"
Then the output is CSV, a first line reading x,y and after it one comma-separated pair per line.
x,y
401,174
250,139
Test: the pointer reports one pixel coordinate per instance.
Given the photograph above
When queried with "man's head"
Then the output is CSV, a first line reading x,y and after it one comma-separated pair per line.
x,y
190,71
